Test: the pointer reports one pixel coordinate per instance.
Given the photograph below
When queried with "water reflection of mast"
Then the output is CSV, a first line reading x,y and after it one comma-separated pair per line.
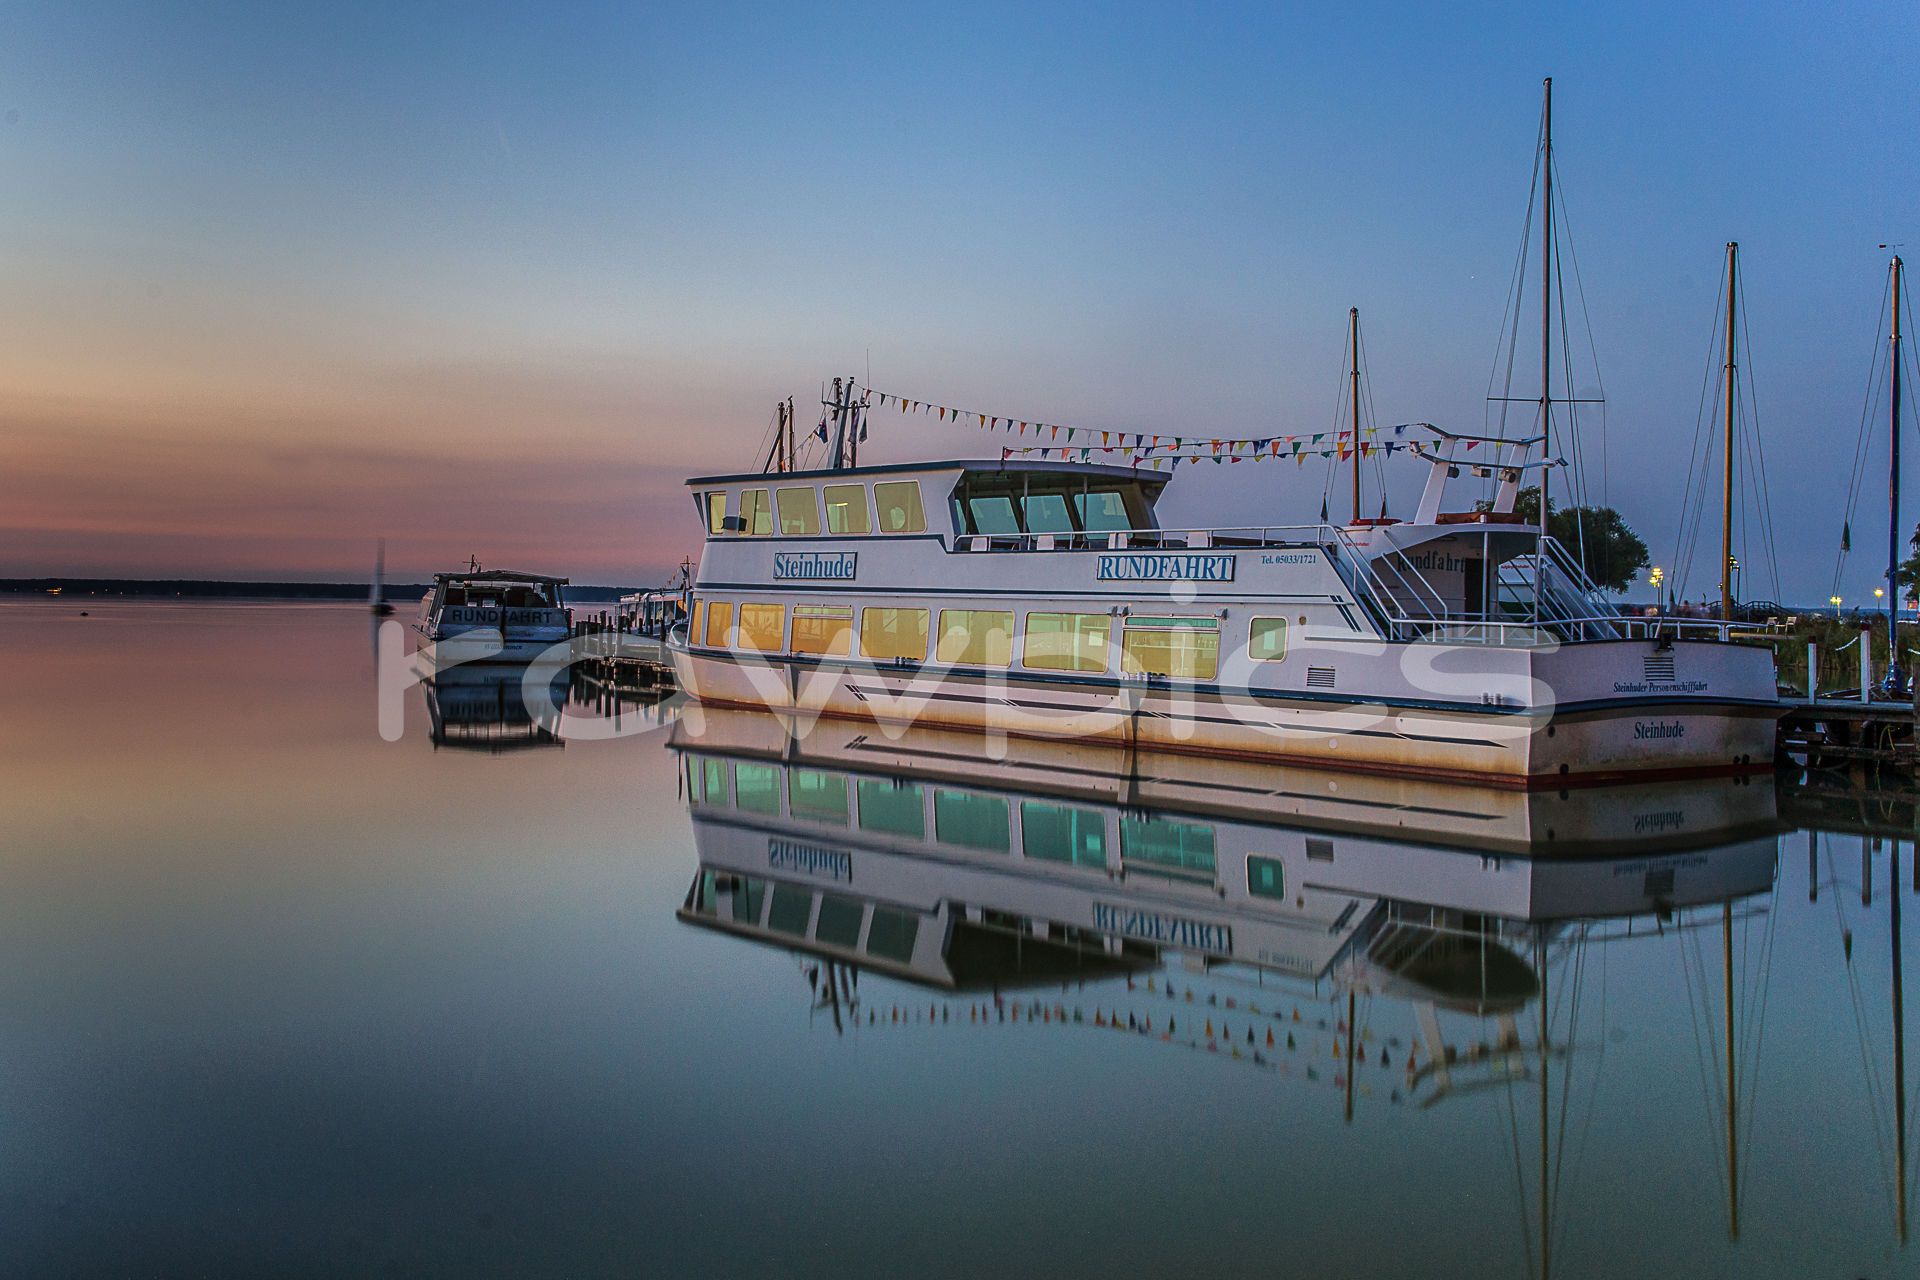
x,y
1733,1149
1899,1047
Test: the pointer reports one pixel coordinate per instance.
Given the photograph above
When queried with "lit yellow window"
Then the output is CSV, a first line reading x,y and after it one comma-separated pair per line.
x,y
893,633
1184,648
719,622
847,508
693,623
762,626
799,512
756,510
982,637
1066,641
899,505
1267,639
716,512
822,629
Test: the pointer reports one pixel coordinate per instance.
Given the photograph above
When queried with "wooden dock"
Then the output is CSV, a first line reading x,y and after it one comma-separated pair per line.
x,y
1830,731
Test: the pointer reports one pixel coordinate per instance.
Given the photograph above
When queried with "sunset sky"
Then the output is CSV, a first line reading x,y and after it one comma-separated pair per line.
x,y
486,281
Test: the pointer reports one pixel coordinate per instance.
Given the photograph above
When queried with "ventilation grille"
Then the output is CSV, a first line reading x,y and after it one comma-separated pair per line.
x,y
1322,677
1659,666
1319,850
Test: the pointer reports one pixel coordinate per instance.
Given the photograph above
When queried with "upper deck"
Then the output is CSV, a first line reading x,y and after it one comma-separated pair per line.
x,y
1475,576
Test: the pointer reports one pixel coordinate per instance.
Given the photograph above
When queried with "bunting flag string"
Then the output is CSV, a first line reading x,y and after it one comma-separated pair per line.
x,y
1140,447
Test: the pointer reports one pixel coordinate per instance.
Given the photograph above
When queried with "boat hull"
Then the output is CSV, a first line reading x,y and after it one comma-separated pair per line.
x,y
1581,726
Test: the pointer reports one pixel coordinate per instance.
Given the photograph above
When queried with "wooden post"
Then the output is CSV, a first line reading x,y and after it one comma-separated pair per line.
x,y
1813,672
1866,664
1813,866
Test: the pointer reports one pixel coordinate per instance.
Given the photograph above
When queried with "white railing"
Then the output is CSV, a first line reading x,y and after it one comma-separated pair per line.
x,y
1401,599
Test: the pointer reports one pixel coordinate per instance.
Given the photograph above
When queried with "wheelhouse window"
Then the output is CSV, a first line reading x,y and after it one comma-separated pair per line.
x,y
716,512
792,909
1267,639
839,924
763,626
992,513
891,935
749,897
1006,503
799,513
1047,513
1102,511
756,513
1066,641
980,637
893,633
1183,648
847,508
898,502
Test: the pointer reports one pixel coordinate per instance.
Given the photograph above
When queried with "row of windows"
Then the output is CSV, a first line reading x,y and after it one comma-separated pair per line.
x,y
789,909
1186,648
966,819
896,502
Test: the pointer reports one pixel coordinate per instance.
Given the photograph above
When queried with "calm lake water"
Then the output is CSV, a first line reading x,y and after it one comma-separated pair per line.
x,y
280,997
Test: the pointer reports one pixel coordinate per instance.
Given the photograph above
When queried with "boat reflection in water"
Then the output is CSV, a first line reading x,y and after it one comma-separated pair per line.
x,y
1256,889
490,708
918,859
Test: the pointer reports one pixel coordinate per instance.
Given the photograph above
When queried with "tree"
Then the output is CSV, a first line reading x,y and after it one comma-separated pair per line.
x,y
1613,553
1908,574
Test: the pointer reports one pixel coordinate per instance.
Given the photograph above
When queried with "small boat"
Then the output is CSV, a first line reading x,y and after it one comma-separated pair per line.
x,y
491,615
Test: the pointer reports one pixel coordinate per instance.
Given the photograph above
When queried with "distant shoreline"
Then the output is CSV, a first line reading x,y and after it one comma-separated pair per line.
x,y
210,589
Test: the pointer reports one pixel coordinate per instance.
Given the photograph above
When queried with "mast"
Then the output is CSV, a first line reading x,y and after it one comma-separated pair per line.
x,y
838,405
1726,463
1893,501
1353,340
1546,337
793,457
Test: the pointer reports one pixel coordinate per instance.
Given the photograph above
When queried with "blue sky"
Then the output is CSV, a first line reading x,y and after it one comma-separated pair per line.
x,y
494,281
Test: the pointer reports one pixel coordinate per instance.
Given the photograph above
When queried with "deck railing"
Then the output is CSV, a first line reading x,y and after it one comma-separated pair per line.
x,y
1401,600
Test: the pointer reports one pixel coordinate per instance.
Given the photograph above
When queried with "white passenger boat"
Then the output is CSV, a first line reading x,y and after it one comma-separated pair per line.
x,y
1046,599
489,615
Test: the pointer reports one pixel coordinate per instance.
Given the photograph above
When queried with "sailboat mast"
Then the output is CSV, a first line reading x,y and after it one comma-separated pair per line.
x,y
1546,335
1726,462
1893,497
1353,341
